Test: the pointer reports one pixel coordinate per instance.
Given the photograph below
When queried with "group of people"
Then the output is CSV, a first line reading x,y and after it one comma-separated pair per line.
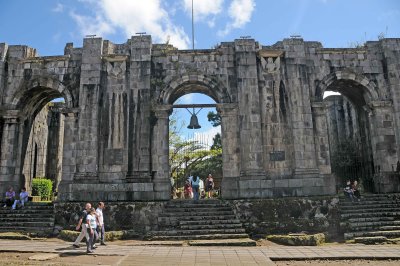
x,y
196,188
12,201
91,224
351,191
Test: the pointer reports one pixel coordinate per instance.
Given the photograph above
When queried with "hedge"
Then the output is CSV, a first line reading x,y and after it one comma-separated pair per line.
x,y
42,187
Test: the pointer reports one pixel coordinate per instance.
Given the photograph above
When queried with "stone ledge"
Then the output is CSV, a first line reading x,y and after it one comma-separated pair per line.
x,y
298,239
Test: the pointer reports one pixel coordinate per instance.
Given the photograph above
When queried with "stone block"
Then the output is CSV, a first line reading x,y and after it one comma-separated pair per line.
x,y
281,183
295,182
266,183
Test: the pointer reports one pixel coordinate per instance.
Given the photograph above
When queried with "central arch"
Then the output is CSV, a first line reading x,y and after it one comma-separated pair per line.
x,y
193,83
177,87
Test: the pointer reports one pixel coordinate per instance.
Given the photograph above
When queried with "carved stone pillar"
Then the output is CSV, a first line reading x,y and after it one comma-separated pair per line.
x,y
160,153
383,136
230,150
69,154
251,149
321,137
9,174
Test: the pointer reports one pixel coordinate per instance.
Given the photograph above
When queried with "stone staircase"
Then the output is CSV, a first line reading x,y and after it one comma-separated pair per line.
x,y
208,221
376,216
35,218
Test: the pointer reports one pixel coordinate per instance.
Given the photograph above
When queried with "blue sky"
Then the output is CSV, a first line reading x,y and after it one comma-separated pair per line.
x,y
48,25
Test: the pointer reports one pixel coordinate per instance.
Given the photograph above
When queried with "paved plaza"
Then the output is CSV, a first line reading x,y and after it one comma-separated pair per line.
x,y
134,253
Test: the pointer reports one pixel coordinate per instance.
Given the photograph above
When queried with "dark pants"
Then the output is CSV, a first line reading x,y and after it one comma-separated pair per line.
x,y
101,233
10,202
91,240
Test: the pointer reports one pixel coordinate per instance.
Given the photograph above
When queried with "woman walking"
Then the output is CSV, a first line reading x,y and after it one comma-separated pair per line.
x,y
195,187
209,185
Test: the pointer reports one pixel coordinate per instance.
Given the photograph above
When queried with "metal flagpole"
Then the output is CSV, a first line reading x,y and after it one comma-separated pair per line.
x,y
192,28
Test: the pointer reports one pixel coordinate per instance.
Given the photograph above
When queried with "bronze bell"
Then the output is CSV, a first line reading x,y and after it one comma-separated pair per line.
x,y
194,122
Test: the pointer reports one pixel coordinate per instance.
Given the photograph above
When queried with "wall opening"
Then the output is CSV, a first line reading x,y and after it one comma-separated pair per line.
x,y
349,134
43,133
195,152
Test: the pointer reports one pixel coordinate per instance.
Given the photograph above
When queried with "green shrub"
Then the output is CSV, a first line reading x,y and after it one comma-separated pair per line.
x,y
42,187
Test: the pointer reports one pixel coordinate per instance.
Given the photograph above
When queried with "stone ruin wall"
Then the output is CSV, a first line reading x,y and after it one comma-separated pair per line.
x,y
118,99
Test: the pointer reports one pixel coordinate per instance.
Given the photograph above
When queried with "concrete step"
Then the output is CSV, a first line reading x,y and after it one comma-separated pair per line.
x,y
211,226
37,230
371,206
390,228
18,215
206,215
374,196
224,242
192,203
357,226
197,209
26,224
26,219
370,214
388,234
370,219
25,211
365,210
198,237
199,232
347,202
209,222
32,207
200,212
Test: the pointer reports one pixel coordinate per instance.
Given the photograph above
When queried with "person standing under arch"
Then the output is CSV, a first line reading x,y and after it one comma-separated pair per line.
x,y
209,185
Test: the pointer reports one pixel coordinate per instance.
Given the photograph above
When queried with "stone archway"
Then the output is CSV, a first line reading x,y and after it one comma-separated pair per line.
x,y
369,86
213,88
371,127
26,104
191,83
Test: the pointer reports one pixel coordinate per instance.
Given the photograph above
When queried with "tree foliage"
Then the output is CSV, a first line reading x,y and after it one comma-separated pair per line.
x,y
214,118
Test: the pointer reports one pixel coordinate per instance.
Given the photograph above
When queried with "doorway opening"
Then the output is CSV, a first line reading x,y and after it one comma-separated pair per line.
x,y
42,139
349,134
195,151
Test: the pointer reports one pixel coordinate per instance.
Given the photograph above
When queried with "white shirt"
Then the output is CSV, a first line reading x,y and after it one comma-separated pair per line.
x,y
201,185
23,196
99,213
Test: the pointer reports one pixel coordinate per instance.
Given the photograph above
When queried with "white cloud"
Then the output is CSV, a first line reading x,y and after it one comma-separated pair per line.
x,y
58,8
186,99
204,10
239,12
132,16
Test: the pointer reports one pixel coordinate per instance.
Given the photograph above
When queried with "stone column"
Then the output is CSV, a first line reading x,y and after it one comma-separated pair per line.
x,y
9,174
251,147
383,136
89,93
305,165
160,153
69,155
230,150
139,159
321,137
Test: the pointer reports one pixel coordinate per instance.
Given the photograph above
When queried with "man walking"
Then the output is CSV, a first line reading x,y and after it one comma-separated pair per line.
x,y
82,225
100,217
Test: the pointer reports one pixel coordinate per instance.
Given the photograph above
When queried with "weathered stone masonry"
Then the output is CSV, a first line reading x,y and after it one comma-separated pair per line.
x,y
118,98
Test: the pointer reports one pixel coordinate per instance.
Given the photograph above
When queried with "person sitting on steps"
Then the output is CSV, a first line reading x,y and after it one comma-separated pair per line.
x,y
10,197
23,197
348,192
356,191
